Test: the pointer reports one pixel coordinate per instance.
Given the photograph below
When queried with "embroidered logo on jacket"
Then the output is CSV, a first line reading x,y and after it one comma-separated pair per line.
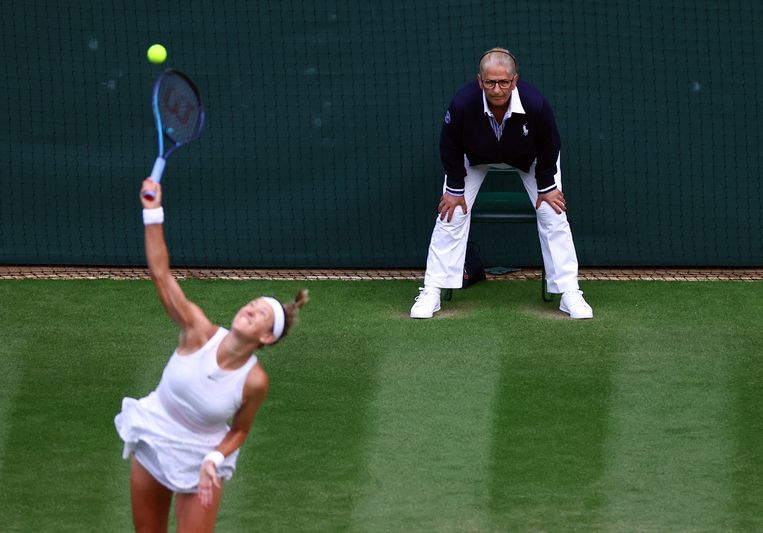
x,y
525,131
447,117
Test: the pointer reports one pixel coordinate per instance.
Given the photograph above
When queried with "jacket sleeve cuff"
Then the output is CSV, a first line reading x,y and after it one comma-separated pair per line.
x,y
453,186
545,185
454,192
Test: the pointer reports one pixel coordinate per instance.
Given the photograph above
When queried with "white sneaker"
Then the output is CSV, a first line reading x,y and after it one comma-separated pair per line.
x,y
575,305
427,303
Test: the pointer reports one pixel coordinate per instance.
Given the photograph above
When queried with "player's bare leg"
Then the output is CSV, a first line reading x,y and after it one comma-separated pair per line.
x,y
192,516
150,501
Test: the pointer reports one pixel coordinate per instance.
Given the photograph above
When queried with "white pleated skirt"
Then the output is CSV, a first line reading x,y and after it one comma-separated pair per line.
x,y
171,452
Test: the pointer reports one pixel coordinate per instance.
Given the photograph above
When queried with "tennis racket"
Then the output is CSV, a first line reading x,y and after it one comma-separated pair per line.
x,y
179,117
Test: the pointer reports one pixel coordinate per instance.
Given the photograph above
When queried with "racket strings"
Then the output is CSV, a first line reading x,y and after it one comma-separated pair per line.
x,y
180,109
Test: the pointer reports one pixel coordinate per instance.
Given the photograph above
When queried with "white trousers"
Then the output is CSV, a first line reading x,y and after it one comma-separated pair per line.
x,y
447,248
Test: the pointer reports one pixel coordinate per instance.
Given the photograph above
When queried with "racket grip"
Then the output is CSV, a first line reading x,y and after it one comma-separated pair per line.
x,y
156,175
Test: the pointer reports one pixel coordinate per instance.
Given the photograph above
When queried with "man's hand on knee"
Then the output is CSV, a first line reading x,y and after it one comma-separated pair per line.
x,y
448,205
553,198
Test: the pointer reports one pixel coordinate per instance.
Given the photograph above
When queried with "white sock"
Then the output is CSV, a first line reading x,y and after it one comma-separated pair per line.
x,y
433,289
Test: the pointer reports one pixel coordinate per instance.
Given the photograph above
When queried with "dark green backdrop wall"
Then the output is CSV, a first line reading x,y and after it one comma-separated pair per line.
x,y
323,119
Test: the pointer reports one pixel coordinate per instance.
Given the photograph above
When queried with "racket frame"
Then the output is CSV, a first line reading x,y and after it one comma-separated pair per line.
x,y
161,158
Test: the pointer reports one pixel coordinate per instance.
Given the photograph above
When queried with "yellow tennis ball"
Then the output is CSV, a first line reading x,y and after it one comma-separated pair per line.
x,y
156,54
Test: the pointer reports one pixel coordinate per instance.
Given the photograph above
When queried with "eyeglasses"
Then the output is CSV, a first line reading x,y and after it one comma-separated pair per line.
x,y
503,84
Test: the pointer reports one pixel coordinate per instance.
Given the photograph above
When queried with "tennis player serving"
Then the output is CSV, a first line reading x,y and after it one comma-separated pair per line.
x,y
178,436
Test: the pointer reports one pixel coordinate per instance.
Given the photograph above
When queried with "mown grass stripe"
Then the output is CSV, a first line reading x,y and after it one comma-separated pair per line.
x,y
670,444
428,451
549,418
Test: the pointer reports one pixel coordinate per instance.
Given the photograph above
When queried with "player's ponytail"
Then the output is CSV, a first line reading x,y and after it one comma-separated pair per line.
x,y
291,310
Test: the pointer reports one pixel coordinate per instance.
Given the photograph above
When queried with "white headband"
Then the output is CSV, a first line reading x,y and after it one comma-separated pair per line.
x,y
279,317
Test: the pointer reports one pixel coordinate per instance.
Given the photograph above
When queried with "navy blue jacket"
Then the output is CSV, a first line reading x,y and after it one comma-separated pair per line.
x,y
526,137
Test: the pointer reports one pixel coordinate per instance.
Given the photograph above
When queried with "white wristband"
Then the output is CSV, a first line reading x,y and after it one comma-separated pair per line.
x,y
214,456
153,216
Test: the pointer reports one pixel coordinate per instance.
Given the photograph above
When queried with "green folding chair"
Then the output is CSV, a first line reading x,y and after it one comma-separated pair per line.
x,y
505,207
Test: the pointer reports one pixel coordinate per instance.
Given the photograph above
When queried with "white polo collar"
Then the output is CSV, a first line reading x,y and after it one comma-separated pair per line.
x,y
515,104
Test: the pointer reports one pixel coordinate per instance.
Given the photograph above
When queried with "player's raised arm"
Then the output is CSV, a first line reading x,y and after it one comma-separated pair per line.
x,y
181,310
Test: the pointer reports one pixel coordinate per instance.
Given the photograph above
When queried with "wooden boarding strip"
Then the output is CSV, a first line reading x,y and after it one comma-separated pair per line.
x,y
586,274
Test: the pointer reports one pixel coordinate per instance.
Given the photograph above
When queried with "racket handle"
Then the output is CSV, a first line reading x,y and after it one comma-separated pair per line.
x,y
156,175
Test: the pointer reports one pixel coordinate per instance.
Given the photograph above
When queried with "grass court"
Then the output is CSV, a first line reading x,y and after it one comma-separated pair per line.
x,y
497,415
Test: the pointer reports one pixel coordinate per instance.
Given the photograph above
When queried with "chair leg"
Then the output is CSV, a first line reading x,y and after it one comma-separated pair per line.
x,y
448,294
544,287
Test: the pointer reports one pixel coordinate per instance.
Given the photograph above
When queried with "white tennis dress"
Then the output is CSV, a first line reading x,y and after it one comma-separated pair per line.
x,y
173,428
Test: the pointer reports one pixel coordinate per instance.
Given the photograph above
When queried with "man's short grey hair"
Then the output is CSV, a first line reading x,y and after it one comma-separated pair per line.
x,y
498,57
